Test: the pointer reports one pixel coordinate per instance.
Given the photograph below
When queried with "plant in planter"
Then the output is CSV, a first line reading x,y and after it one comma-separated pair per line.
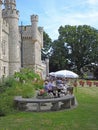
x,y
42,94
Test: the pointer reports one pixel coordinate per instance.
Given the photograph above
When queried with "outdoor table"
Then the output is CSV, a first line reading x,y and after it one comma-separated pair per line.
x,y
57,90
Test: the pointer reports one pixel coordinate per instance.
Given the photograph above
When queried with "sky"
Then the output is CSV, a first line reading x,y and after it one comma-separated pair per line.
x,y
55,13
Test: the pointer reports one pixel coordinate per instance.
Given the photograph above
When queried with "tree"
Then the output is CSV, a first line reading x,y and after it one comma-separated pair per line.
x,y
58,58
96,73
80,44
46,46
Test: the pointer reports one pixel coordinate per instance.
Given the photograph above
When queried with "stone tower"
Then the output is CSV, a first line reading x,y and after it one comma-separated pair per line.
x,y
0,34
37,40
11,15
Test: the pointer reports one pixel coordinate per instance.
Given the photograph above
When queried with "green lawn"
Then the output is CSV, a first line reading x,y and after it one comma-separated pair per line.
x,y
84,117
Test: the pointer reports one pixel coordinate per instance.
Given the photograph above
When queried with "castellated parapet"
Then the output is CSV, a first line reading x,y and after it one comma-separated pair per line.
x,y
10,4
34,18
26,31
10,13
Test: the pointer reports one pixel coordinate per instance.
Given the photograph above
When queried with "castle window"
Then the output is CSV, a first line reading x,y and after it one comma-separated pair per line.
x,y
24,28
3,47
4,70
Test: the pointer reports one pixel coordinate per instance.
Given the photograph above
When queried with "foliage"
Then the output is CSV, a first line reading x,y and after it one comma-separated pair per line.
x,y
6,83
38,84
75,47
46,46
23,84
7,96
58,59
26,74
92,68
6,104
96,72
6,101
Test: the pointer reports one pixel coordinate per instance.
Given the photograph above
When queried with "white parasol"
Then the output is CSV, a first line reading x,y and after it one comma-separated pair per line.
x,y
65,73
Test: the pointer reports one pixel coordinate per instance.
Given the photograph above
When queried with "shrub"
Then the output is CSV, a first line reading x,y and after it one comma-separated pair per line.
x,y
38,84
6,104
23,84
6,97
26,74
6,83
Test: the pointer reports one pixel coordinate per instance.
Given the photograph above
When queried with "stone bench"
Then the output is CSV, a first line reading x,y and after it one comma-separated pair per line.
x,y
59,103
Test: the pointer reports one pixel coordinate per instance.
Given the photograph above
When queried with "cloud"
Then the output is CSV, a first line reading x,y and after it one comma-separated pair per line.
x,y
70,19
83,12
92,2
54,13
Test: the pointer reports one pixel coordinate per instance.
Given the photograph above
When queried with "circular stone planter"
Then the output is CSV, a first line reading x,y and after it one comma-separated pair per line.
x,y
45,104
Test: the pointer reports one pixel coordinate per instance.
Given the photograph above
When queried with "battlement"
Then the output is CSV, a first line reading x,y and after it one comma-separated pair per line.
x,y
25,31
10,13
34,18
10,4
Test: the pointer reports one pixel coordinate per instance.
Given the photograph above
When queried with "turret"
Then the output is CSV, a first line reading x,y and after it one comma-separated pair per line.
x,y
0,35
0,24
11,15
34,22
36,40
10,10
0,15
10,4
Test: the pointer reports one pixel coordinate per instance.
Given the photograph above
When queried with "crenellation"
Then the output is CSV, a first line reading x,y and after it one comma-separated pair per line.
x,y
24,28
11,13
34,18
25,31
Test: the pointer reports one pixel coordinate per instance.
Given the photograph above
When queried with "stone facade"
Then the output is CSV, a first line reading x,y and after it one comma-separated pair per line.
x,y
20,46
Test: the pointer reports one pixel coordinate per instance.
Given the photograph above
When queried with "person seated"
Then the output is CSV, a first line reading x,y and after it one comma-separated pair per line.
x,y
60,85
49,87
46,85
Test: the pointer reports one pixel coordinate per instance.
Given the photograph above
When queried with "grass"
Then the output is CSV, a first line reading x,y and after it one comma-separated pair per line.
x,y
83,117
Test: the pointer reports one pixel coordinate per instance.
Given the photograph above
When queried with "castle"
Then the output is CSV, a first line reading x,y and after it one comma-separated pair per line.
x,y
20,46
